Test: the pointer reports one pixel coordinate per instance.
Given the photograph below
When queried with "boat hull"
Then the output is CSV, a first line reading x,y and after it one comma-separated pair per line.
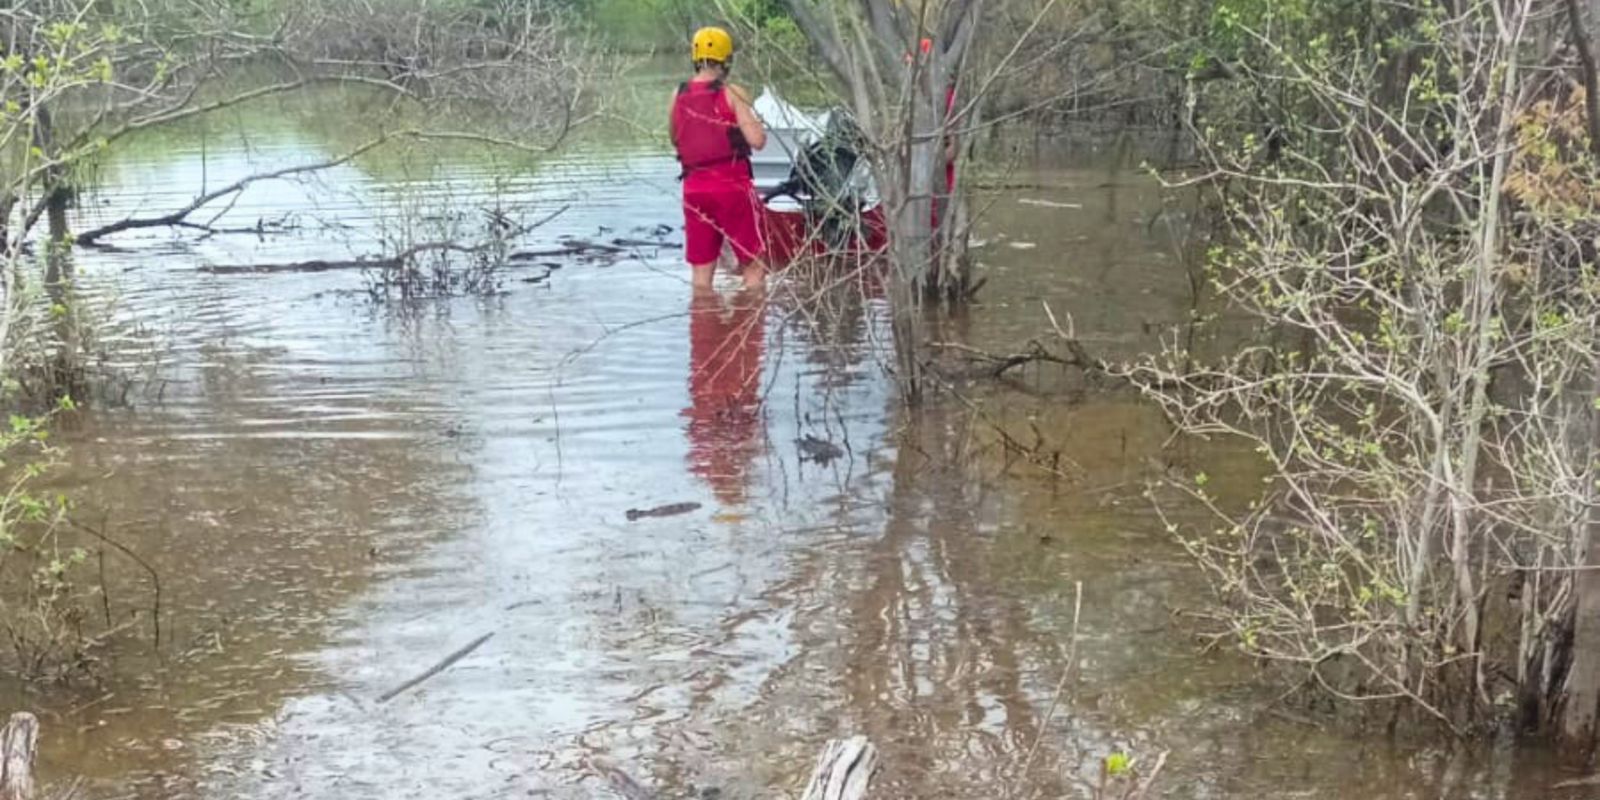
x,y
794,233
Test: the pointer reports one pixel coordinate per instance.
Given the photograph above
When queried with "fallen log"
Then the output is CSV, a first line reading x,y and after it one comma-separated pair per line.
x,y
570,248
19,740
316,265
320,265
554,252
844,771
646,244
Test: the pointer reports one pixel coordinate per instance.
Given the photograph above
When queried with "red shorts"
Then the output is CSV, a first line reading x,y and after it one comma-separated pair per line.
x,y
717,213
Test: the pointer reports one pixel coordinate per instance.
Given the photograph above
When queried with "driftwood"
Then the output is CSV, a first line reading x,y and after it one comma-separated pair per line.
x,y
298,266
580,247
365,262
844,771
669,510
18,741
567,249
430,672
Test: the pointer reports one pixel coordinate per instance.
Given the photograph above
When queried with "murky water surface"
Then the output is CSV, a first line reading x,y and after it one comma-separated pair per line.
x,y
337,495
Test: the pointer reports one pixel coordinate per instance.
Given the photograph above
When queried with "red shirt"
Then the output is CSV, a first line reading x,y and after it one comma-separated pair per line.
x,y
703,122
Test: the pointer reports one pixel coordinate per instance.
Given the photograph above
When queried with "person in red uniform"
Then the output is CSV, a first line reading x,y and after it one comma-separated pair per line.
x,y
713,130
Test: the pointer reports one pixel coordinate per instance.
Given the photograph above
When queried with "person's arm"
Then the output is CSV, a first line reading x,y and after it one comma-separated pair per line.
x,y
749,123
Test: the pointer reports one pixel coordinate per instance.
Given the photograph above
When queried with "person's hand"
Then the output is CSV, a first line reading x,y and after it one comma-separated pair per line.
x,y
755,133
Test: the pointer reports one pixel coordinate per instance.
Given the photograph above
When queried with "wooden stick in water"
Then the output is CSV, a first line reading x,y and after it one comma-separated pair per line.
x,y
432,671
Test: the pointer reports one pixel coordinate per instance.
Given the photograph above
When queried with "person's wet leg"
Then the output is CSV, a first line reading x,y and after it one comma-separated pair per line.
x,y
755,274
700,275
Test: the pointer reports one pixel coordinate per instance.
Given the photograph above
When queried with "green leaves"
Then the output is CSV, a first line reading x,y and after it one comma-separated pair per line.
x,y
1118,764
39,76
58,34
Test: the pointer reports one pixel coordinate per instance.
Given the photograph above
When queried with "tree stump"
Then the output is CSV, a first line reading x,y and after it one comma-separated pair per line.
x,y
844,771
18,740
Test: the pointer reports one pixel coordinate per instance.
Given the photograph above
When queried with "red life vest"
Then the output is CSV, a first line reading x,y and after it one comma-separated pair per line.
x,y
705,130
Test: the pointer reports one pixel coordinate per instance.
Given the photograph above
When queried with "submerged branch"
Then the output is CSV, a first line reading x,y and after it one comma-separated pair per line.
x,y
155,577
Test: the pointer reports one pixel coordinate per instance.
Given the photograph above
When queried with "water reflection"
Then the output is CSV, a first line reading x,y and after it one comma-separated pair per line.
x,y
939,654
727,337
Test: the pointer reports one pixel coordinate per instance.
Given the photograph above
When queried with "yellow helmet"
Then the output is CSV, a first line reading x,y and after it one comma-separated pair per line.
x,y
712,44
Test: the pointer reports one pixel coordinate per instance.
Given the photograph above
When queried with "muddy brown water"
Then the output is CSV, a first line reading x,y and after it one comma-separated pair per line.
x,y
337,495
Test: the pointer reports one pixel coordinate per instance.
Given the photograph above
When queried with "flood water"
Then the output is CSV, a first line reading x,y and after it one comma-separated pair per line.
x,y
338,494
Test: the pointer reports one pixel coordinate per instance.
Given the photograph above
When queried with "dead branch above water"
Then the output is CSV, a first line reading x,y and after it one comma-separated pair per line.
x,y
436,58
180,217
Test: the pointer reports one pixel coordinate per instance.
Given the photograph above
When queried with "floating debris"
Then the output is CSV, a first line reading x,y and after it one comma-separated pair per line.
x,y
1030,201
819,450
669,510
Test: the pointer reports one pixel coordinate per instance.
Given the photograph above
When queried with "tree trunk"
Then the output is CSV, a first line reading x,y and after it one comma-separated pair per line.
x,y
897,94
58,261
955,225
56,192
18,741
1582,695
